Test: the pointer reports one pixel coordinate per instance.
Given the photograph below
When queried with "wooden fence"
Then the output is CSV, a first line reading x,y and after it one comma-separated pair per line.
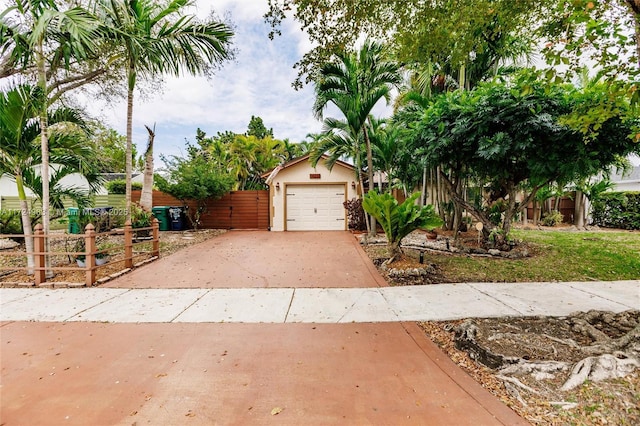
x,y
566,207
235,210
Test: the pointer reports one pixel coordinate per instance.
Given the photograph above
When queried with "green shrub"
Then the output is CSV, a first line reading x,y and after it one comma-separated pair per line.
x,y
552,218
617,210
118,186
10,222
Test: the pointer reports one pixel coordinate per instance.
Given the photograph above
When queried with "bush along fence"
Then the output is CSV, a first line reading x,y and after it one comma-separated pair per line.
x,y
617,210
136,243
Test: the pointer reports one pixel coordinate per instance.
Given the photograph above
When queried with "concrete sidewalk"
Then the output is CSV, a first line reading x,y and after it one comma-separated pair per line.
x,y
316,305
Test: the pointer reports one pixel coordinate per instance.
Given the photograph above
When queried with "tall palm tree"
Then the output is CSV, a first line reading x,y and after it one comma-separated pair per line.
x,y
354,83
20,150
45,40
156,38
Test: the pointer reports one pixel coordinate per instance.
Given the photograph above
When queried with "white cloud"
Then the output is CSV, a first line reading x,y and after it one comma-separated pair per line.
x,y
257,83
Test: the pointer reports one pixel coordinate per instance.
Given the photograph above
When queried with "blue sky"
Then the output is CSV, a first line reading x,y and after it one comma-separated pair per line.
x,y
257,83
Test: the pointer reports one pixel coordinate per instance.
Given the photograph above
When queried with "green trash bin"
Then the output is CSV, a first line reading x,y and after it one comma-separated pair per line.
x,y
73,217
162,214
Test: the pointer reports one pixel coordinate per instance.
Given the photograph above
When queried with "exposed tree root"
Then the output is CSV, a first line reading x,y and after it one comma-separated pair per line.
x,y
599,368
603,345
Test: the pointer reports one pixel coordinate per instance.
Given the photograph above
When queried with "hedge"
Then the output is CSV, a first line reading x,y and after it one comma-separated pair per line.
x,y
118,186
617,210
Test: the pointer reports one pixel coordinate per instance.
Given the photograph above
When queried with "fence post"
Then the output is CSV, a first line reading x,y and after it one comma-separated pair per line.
x,y
38,254
90,254
155,224
128,245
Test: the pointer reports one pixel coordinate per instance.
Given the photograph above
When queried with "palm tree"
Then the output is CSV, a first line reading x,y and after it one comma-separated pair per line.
x,y
354,83
20,151
157,38
48,41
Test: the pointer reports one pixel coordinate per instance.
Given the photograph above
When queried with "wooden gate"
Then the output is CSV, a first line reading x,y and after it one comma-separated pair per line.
x,y
238,210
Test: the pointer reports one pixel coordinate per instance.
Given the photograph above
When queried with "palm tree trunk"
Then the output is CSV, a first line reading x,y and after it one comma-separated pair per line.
x,y
361,182
146,196
129,150
44,146
27,228
372,231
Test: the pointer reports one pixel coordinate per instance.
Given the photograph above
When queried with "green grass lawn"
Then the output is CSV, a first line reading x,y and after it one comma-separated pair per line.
x,y
555,256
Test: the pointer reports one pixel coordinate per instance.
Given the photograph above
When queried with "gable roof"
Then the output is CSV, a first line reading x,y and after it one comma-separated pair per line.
x,y
270,175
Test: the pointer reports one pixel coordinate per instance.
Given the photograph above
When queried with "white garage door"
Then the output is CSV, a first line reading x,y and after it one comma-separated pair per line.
x,y
316,208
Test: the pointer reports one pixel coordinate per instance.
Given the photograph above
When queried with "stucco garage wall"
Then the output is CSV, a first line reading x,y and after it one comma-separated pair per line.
x,y
299,174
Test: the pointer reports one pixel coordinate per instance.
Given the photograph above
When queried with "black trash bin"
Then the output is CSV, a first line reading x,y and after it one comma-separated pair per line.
x,y
176,215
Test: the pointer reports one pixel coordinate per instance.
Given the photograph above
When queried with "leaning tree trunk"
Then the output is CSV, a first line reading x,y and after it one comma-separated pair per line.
x,y
457,210
579,210
146,196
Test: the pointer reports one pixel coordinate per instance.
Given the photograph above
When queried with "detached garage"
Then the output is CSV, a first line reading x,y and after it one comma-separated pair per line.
x,y
304,198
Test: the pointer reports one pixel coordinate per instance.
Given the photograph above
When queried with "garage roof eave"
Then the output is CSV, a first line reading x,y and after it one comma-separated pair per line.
x,y
270,175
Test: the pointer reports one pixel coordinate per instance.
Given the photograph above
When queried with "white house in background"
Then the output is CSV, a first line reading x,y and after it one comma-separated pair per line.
x,y
8,186
307,198
627,182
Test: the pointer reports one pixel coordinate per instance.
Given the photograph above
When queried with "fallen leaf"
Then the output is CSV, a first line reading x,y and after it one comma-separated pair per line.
x,y
276,411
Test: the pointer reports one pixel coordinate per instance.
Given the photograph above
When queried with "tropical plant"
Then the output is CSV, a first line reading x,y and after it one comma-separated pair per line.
x,y
354,82
155,38
552,218
140,218
418,31
110,150
194,179
20,150
511,134
399,220
257,128
41,40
